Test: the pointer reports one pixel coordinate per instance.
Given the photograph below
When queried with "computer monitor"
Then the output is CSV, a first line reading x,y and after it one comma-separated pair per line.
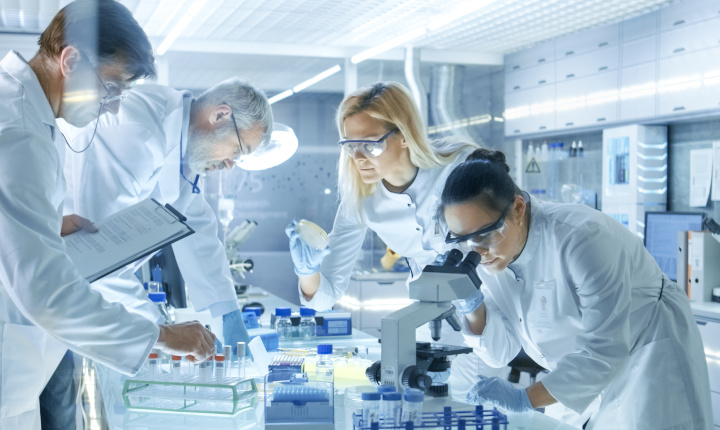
x,y
661,230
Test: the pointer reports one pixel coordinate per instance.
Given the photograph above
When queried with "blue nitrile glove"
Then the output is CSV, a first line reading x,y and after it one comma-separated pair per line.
x,y
234,331
307,259
470,303
500,393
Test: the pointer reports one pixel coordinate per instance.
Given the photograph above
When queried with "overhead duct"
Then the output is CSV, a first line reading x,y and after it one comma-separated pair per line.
x,y
415,84
446,94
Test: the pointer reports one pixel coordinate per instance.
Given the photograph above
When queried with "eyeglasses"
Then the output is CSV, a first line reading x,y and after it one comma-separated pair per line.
x,y
368,148
239,154
113,92
486,237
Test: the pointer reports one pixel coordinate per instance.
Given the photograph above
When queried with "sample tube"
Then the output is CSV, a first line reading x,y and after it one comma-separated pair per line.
x,y
229,362
219,369
205,372
153,363
412,408
391,408
241,359
371,408
176,369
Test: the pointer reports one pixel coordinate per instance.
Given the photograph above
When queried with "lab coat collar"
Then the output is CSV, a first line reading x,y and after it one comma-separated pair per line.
x,y
176,122
416,188
533,240
15,65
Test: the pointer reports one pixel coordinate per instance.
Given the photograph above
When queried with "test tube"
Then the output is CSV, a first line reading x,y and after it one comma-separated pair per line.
x,y
412,407
153,366
391,408
176,369
241,359
219,369
205,372
227,352
371,408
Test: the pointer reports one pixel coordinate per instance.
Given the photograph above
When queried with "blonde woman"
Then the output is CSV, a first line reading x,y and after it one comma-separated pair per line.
x,y
390,180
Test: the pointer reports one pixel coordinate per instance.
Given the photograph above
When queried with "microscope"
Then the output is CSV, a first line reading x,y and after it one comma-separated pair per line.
x,y
239,265
405,363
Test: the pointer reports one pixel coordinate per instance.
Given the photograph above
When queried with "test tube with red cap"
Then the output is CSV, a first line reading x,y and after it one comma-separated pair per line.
x,y
153,363
219,368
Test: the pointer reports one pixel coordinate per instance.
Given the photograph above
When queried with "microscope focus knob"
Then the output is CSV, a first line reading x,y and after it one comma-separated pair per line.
x,y
373,373
415,377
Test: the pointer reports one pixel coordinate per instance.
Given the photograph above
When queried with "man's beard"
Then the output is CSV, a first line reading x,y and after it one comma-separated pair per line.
x,y
201,149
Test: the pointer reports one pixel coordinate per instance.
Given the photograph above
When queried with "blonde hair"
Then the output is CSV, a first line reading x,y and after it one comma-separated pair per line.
x,y
391,104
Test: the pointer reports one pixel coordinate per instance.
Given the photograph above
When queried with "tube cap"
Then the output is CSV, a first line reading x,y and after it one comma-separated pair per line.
x,y
371,396
157,297
282,312
324,348
391,396
153,355
386,389
306,312
176,357
413,395
219,357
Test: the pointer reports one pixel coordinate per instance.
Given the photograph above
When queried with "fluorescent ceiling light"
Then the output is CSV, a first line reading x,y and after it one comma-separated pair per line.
x,y
314,80
467,8
282,95
299,87
180,26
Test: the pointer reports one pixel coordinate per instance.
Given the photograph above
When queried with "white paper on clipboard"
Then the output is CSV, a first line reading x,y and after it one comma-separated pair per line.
x,y
124,237
701,168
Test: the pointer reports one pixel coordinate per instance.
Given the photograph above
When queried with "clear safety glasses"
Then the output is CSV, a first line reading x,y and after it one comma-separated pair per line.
x,y
368,148
486,238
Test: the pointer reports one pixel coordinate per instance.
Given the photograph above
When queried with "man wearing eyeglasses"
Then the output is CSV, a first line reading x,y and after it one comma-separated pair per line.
x,y
159,145
45,305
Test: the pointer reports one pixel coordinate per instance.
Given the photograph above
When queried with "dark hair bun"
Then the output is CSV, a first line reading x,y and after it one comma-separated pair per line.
x,y
491,156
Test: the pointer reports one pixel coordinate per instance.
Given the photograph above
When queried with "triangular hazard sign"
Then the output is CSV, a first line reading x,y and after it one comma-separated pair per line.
x,y
532,167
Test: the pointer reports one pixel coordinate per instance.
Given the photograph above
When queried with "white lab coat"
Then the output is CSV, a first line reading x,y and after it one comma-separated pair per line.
x,y
598,323
406,223
136,155
45,305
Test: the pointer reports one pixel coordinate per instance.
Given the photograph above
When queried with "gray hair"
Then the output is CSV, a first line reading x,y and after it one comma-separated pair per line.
x,y
249,105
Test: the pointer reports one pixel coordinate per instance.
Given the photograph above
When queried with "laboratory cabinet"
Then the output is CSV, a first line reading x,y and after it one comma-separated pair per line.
x,y
639,51
538,105
532,77
637,92
538,55
689,82
600,105
687,12
690,38
639,27
587,41
578,66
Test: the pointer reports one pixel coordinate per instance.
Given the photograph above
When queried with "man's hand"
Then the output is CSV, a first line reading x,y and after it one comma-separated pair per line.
x,y
73,223
188,338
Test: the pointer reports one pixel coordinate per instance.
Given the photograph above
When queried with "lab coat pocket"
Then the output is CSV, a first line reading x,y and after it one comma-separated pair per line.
x,y
29,357
652,392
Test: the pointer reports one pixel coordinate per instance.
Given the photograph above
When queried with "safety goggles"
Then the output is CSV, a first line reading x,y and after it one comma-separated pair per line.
x,y
113,92
486,237
368,148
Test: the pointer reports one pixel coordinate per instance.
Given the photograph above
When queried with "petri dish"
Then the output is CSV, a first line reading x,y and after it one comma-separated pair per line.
x,y
312,234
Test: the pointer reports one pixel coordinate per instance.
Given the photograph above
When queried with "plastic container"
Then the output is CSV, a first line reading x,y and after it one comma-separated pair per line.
x,y
308,326
391,408
176,366
282,323
258,313
153,366
241,359
205,372
386,389
324,366
412,405
220,369
371,408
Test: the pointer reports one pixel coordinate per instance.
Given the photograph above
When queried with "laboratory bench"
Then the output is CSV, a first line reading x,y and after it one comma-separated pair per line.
x,y
119,417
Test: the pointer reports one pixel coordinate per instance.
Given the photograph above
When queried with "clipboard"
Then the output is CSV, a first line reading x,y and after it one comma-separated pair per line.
x,y
124,237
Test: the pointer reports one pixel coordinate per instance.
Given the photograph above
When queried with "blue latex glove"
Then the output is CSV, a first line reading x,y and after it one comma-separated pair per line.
x,y
500,393
307,259
234,331
470,303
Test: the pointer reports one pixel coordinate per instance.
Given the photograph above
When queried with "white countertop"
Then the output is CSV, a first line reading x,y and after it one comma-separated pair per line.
x,y
709,310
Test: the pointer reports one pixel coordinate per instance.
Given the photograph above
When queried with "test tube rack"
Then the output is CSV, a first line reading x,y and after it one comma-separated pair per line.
x,y
190,395
478,419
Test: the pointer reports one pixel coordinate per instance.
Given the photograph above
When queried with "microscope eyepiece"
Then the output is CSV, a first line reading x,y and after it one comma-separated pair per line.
x,y
453,257
472,259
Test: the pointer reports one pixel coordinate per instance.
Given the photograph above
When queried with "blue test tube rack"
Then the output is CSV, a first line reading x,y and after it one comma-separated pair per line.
x,y
479,419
